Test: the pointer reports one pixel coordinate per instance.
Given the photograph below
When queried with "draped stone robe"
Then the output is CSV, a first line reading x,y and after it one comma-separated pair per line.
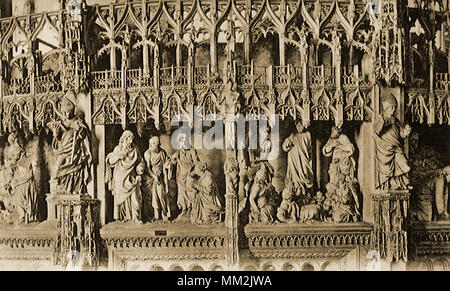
x,y
158,187
392,165
342,176
21,180
185,160
299,160
207,205
125,183
73,157
341,150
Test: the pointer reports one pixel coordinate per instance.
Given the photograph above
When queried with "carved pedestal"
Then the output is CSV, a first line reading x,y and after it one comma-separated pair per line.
x,y
389,235
78,230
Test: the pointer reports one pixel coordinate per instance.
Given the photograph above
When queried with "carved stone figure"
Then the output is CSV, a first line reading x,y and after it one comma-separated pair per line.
x,y
125,180
261,196
229,105
229,100
341,193
185,158
159,170
191,48
207,203
299,160
339,201
19,181
429,178
231,170
242,161
156,56
392,166
72,149
314,211
289,211
431,200
124,64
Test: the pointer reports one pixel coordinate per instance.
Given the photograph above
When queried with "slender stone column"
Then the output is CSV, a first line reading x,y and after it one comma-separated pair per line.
x,y
231,170
100,171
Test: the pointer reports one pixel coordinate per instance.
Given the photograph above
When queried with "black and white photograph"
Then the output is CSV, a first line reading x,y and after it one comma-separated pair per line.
x,y
224,135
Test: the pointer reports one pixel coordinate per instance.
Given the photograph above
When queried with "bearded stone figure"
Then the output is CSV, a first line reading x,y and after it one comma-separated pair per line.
x,y
124,167
391,161
19,181
160,172
72,149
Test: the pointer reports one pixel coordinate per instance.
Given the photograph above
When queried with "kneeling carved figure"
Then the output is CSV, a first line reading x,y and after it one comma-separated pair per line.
x,y
262,195
207,203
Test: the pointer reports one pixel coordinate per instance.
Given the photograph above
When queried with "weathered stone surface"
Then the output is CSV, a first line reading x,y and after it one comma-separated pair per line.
x,y
97,99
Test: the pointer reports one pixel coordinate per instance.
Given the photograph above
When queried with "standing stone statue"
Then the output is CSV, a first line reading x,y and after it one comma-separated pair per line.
x,y
72,149
125,180
20,181
185,159
341,190
391,162
229,105
299,160
207,203
158,166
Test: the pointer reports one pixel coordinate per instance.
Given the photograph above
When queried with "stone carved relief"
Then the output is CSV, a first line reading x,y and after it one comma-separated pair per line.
x,y
341,201
77,240
156,185
185,158
142,193
19,194
289,211
231,171
353,18
392,165
314,210
261,194
389,235
207,203
229,106
299,161
430,179
71,146
125,167
432,200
